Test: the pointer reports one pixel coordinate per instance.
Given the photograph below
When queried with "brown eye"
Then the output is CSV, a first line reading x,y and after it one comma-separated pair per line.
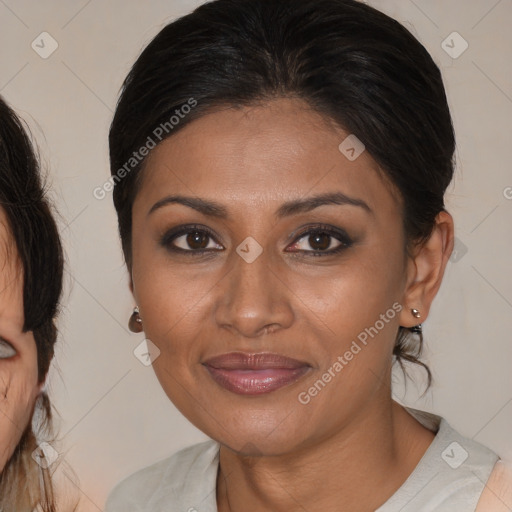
x,y
190,239
197,240
322,241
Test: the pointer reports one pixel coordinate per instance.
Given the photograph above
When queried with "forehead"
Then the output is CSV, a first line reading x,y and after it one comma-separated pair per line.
x,y
262,154
11,274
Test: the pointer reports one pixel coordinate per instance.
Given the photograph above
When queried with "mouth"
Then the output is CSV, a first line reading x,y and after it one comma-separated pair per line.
x,y
255,374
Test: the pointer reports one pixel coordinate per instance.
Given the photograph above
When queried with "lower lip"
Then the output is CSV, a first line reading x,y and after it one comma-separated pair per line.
x,y
256,382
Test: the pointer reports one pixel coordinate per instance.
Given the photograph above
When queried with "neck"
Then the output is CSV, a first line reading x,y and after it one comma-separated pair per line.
x,y
376,452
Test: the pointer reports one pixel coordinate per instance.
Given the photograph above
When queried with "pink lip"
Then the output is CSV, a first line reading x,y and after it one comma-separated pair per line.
x,y
254,374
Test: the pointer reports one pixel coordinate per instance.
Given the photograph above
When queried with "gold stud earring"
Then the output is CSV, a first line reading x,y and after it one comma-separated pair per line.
x,y
135,322
415,313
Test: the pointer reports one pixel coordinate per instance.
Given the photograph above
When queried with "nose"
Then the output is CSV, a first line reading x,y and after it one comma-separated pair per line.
x,y
254,299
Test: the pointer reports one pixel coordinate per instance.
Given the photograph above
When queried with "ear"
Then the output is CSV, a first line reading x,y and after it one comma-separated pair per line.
x,y
132,286
425,270
130,280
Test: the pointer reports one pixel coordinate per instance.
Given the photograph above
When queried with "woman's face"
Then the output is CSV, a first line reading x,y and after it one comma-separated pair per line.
x,y
18,352
318,282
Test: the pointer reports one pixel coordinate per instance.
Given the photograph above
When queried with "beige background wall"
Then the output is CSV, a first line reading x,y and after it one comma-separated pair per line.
x,y
115,418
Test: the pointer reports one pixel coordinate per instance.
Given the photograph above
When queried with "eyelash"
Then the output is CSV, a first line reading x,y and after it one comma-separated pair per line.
x,y
340,235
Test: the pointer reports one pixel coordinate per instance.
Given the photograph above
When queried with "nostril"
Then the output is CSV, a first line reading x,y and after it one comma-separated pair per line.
x,y
269,329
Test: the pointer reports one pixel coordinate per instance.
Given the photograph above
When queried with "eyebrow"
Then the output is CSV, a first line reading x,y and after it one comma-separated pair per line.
x,y
213,209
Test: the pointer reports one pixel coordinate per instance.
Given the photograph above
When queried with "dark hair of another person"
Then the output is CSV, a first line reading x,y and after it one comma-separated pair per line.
x,y
348,61
33,228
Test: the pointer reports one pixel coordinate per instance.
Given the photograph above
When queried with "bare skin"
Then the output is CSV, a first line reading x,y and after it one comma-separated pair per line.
x,y
350,443
19,385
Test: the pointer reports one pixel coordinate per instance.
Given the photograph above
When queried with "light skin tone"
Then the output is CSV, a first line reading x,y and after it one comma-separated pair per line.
x,y
277,453
19,384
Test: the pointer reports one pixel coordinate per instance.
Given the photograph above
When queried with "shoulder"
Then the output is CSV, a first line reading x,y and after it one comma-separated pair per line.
x,y
463,464
451,475
143,489
497,493
452,452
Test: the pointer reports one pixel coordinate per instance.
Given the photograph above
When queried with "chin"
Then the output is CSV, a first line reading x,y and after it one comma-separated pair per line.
x,y
256,442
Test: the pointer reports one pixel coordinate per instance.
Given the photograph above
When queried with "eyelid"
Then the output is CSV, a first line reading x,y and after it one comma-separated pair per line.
x,y
337,233
314,228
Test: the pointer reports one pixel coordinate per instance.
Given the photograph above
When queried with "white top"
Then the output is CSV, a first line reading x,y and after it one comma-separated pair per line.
x,y
450,477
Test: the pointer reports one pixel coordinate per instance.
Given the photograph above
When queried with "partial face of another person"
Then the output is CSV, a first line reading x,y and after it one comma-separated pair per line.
x,y
308,282
18,352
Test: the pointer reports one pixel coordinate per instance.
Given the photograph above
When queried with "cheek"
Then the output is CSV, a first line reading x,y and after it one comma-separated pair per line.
x,y
170,297
348,299
166,301
353,314
18,392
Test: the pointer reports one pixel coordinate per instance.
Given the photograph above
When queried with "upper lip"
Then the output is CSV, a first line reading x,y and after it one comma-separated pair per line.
x,y
253,361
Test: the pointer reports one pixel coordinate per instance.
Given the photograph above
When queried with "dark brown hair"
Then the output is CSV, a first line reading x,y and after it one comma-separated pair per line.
x,y
38,247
